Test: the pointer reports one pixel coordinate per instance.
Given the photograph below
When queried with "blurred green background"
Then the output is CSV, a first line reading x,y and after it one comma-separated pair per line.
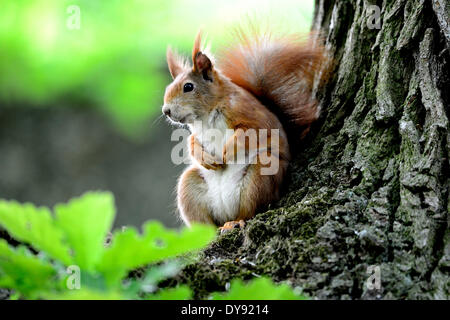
x,y
79,102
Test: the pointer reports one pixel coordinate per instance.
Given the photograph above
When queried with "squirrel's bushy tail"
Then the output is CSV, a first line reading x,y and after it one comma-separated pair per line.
x,y
279,71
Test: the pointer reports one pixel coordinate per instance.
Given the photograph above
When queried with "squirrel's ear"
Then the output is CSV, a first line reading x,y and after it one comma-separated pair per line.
x,y
201,63
174,63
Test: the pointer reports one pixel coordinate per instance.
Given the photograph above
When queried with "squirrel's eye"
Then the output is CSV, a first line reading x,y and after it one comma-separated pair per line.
x,y
188,87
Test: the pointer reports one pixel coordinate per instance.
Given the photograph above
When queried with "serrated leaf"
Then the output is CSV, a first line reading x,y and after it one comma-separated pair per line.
x,y
86,221
24,272
130,250
258,289
34,226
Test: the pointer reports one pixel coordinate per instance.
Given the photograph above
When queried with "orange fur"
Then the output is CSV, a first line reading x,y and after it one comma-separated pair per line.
x,y
196,47
190,184
278,70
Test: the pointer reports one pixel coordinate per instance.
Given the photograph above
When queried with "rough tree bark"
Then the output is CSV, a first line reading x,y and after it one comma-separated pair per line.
x,y
370,186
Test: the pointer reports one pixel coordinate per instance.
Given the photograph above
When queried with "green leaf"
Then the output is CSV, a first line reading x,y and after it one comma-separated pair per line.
x,y
35,226
130,250
258,289
85,294
148,282
76,236
158,273
178,293
86,222
24,272
14,296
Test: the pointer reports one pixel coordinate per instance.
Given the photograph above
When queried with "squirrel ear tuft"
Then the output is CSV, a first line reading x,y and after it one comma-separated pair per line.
x,y
174,62
201,63
196,48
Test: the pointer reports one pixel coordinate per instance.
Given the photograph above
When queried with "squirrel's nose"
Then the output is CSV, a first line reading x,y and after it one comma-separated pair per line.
x,y
166,111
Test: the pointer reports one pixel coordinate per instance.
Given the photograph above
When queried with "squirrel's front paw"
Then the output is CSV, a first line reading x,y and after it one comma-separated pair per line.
x,y
227,156
204,158
212,166
210,162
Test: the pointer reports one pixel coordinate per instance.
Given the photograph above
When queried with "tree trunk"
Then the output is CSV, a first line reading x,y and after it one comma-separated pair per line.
x,y
365,213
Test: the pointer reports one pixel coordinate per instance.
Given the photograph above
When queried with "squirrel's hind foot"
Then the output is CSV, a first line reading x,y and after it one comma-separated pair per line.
x,y
230,225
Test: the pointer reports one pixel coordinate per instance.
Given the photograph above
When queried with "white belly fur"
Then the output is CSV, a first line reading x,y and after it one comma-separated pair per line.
x,y
224,185
224,188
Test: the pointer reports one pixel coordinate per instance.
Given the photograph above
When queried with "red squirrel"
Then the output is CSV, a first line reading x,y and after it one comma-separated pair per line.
x,y
256,82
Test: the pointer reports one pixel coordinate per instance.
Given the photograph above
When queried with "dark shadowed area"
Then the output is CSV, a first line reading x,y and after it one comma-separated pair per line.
x,y
51,155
